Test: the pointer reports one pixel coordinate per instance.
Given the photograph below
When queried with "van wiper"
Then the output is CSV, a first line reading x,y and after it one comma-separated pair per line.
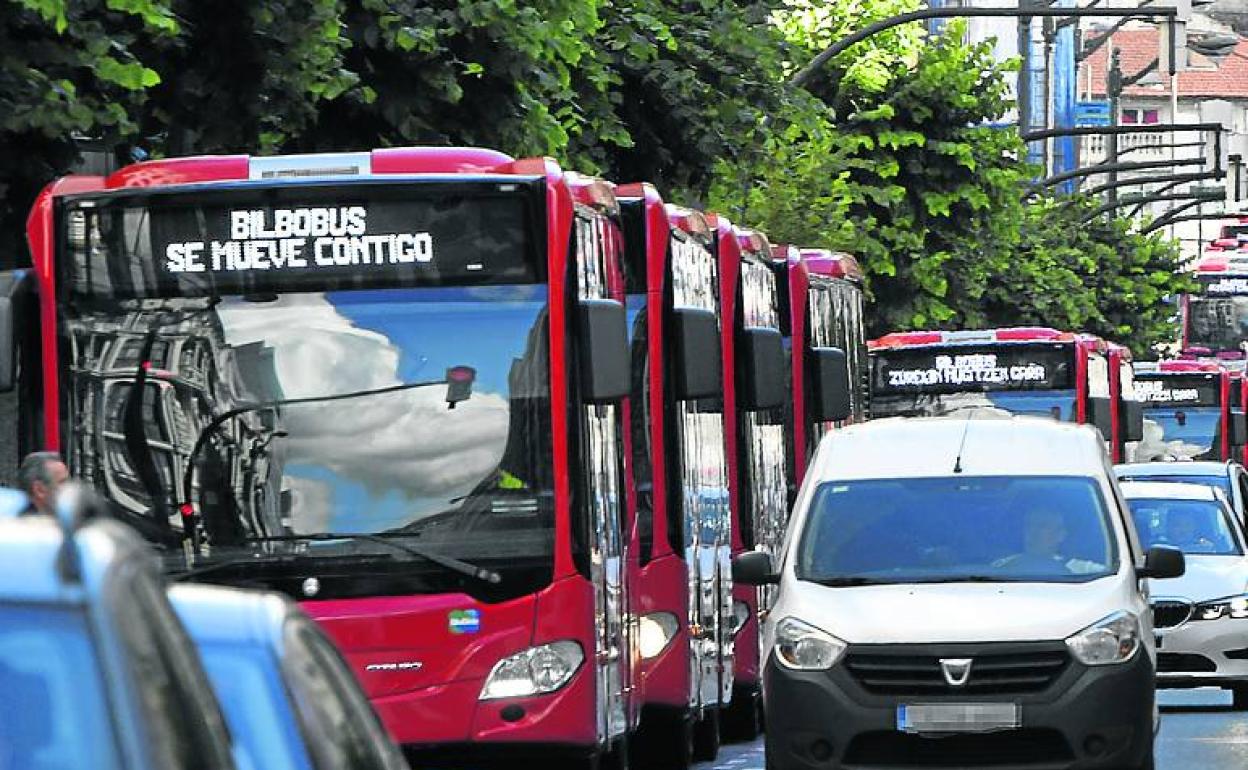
x,y
963,579
447,562
843,581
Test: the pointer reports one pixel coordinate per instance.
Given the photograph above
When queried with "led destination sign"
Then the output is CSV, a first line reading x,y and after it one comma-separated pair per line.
x,y
293,238
978,369
1198,390
1225,285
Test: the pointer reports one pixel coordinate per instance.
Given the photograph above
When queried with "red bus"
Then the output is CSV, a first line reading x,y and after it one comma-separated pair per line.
x,y
683,596
392,384
1191,411
1021,370
1215,318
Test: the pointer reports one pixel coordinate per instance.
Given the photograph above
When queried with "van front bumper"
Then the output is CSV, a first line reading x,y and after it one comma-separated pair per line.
x,y
1084,718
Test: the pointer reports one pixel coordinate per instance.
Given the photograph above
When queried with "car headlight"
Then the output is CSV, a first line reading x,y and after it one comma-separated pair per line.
x,y
654,631
535,671
803,647
740,615
1230,607
1112,640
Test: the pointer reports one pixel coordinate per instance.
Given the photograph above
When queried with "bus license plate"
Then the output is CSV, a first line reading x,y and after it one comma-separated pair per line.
x,y
957,717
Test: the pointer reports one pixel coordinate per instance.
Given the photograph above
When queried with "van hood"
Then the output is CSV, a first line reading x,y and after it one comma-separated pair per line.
x,y
1207,577
956,612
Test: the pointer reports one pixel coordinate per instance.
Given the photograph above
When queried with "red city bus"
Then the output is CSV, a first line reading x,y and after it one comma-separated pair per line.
x,y
683,603
1190,411
756,389
1021,370
1215,318
392,384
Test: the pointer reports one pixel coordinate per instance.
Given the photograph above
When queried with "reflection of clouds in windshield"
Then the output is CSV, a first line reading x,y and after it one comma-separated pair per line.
x,y
314,502
406,442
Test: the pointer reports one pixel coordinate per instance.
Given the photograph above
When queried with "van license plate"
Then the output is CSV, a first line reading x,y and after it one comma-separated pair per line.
x,y
957,717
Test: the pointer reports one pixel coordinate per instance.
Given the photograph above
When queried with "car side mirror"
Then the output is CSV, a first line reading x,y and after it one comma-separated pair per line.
x,y
760,367
828,371
603,351
1163,561
1239,428
695,345
754,568
1132,420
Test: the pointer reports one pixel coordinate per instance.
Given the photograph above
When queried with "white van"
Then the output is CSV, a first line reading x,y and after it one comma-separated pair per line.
x,y
960,593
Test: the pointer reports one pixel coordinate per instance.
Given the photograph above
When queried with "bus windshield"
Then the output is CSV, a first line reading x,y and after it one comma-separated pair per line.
x,y
173,377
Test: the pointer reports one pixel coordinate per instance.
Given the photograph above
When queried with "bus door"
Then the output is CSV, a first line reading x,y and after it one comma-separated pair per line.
x,y
598,251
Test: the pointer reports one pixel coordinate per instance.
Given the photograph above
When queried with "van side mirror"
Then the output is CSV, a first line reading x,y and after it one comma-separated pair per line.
x,y
1163,561
1132,416
760,368
695,345
1100,414
12,284
603,351
828,371
754,568
1239,428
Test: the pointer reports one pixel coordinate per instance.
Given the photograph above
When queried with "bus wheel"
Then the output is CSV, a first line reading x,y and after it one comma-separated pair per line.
x,y
706,736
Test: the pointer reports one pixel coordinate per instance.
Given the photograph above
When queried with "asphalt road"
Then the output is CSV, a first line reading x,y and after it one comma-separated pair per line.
x,y
1199,731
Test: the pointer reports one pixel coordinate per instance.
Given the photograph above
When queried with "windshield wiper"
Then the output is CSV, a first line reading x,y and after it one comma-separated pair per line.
x,y
849,580
221,566
964,579
447,562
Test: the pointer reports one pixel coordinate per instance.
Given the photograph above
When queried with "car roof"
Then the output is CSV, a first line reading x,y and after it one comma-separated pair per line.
x,y
213,614
30,550
1167,490
1201,468
901,447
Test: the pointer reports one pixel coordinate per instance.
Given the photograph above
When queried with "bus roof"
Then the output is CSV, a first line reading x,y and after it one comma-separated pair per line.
x,y
1176,367
835,264
969,337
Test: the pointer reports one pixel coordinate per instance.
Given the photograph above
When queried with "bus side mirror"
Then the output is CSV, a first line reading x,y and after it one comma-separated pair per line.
x,y
761,369
1239,427
695,345
1100,414
12,283
1132,420
828,370
603,351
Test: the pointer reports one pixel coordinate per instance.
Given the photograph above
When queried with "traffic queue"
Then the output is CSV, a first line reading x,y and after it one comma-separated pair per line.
x,y
487,460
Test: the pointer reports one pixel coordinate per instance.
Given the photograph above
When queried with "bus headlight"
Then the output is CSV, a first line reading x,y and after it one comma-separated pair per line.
x,y
654,631
1112,640
535,671
803,647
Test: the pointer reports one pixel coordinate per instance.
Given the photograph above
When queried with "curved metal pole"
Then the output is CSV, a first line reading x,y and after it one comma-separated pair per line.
x,y
1103,168
1173,180
1198,198
840,46
1185,218
1135,212
1170,216
1141,128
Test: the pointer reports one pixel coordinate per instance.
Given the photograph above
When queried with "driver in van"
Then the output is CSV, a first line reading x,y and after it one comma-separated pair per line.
x,y
1044,535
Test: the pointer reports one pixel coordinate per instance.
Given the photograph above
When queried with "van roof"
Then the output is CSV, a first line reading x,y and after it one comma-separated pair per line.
x,y
908,447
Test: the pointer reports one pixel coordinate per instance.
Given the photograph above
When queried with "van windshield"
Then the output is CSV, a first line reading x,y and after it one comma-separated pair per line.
x,y
1042,529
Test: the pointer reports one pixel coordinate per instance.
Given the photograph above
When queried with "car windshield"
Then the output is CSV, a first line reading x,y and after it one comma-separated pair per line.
x,y
1193,526
1221,482
1217,323
1009,529
53,709
246,681
1181,433
1058,404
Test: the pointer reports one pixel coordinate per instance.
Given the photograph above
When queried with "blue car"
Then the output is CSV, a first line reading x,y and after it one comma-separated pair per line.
x,y
95,669
289,697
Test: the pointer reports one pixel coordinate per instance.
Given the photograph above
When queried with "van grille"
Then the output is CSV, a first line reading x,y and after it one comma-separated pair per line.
x,y
904,671
1169,613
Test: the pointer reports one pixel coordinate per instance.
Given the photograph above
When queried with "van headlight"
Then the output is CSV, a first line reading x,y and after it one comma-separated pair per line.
x,y
803,647
535,671
1230,607
654,631
1112,640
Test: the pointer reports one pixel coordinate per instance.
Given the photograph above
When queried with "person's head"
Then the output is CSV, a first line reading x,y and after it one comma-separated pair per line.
x,y
1044,530
40,476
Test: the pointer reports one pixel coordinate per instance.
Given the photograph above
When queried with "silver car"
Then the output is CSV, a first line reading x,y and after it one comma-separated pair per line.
x,y
1201,618
1229,477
